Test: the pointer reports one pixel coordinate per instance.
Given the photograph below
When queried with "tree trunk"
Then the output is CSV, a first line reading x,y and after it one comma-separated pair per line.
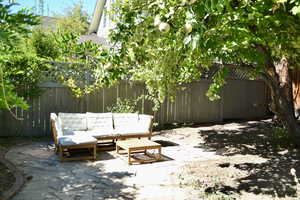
x,y
278,78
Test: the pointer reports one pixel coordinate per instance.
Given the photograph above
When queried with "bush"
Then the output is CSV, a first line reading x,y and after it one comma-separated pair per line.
x,y
123,106
44,44
280,138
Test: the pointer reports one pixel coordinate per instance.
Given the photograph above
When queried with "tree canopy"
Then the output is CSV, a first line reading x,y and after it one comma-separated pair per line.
x,y
13,27
75,19
27,53
167,43
171,42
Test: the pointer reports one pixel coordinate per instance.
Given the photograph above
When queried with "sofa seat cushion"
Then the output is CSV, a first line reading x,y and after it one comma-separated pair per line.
x,y
99,121
93,133
101,133
72,121
131,131
68,132
76,140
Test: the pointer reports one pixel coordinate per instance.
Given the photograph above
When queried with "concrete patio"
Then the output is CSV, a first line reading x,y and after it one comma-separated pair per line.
x,y
109,177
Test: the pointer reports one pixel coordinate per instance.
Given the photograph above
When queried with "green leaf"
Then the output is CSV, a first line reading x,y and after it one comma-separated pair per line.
x,y
20,72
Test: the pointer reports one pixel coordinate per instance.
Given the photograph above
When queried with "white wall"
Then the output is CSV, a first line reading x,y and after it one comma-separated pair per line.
x,y
106,20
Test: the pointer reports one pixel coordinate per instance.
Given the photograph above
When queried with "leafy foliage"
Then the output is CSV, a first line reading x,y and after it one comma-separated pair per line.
x,y
123,106
218,82
75,20
14,25
25,72
199,34
9,98
13,28
280,139
25,57
44,44
86,65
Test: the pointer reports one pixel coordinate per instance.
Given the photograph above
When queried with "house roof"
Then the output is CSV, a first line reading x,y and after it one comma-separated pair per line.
x,y
48,23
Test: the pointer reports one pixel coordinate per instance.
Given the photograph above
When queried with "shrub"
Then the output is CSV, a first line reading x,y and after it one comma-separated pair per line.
x,y
280,139
123,106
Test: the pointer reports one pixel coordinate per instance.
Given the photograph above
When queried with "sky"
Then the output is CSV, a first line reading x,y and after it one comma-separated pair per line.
x,y
55,6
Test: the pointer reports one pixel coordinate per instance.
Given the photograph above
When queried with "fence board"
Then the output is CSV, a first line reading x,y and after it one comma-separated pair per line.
x,y
110,97
244,99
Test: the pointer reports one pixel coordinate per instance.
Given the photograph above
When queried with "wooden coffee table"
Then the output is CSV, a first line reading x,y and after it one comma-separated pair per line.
x,y
133,147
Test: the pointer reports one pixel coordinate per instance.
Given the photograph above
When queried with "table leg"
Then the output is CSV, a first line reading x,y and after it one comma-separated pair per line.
x,y
61,154
129,159
159,153
95,151
117,149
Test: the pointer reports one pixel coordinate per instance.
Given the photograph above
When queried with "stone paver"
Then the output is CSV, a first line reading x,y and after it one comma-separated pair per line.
x,y
109,177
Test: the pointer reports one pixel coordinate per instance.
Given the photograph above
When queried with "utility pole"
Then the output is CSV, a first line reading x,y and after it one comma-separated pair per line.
x,y
36,7
48,10
41,7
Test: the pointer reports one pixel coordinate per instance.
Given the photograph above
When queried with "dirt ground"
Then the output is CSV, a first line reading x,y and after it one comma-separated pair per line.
x,y
234,160
254,164
6,177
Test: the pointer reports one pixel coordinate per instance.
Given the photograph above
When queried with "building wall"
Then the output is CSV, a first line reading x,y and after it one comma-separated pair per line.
x,y
106,22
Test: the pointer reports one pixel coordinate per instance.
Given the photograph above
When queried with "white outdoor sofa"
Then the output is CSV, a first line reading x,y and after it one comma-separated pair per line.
x,y
90,131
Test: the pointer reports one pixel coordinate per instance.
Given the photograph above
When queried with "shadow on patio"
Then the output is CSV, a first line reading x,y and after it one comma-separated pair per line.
x,y
271,177
48,178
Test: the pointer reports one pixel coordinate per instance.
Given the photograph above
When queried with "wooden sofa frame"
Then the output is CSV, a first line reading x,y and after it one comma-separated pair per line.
x,y
63,150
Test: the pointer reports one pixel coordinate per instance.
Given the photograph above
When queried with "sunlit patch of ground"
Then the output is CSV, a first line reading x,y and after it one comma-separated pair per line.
x,y
235,160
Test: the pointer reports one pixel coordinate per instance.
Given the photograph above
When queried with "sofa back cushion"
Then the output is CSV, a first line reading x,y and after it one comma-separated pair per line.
x,y
145,122
124,121
99,121
72,122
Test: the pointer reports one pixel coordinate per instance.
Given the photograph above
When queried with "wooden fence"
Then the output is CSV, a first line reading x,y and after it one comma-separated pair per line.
x,y
241,99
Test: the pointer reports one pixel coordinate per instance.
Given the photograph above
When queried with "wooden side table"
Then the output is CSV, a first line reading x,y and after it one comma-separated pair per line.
x,y
137,146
